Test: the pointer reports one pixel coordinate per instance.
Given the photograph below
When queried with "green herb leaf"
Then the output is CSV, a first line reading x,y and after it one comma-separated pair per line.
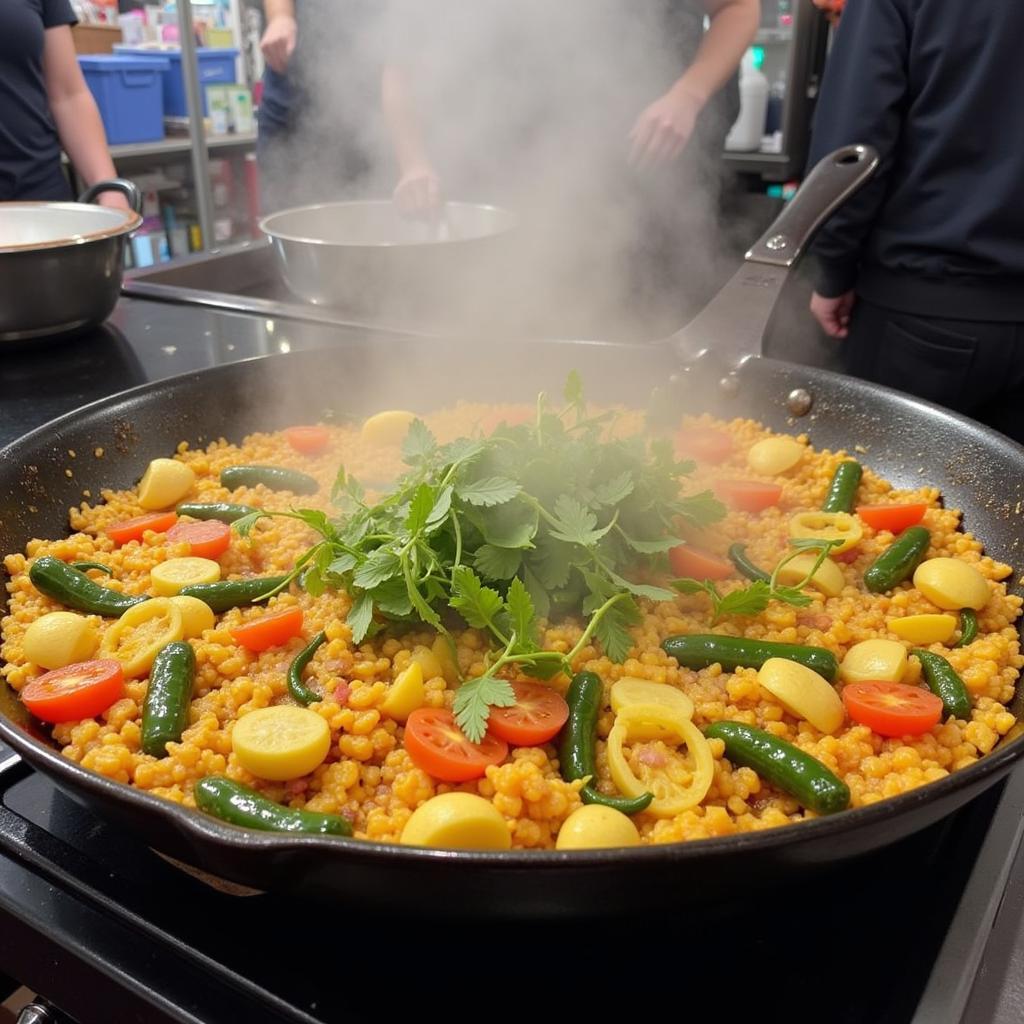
x,y
538,593
642,589
359,617
493,490
442,506
750,600
392,598
382,564
420,507
613,629
576,524
512,525
477,604
552,562
651,547
473,703
345,562
701,509
419,443
613,491
244,525
462,450
521,614
497,563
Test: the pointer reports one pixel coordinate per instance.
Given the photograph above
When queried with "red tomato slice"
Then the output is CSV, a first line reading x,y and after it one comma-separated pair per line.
x,y
686,560
209,539
437,745
133,529
269,630
69,694
894,518
308,440
892,709
748,495
536,717
703,444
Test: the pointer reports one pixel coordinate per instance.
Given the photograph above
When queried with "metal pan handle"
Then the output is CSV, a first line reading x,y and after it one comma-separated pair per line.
x,y
127,188
830,183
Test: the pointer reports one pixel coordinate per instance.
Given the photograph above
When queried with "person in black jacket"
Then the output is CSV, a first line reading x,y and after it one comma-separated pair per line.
x,y
921,274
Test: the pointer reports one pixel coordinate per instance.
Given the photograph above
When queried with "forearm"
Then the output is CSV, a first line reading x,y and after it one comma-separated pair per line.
x,y
278,8
81,134
402,120
733,27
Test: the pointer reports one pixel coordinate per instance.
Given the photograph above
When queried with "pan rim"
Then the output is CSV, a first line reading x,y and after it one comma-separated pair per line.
x,y
195,824
132,221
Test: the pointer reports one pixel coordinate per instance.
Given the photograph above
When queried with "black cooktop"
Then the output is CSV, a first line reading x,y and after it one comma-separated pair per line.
x,y
928,930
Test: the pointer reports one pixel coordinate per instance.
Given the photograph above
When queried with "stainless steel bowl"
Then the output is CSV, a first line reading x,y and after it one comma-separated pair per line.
x,y
61,263
365,255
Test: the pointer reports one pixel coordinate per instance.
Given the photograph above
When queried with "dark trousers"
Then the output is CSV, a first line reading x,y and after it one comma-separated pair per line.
x,y
973,367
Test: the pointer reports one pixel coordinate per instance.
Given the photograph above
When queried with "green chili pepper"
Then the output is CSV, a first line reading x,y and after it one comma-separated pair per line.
x,y
968,627
223,511
276,478
738,557
784,765
945,683
86,566
232,593
57,579
296,687
843,489
165,709
240,805
577,757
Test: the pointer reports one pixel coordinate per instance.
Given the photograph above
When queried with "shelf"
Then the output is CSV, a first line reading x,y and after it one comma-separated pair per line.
x,y
773,35
179,144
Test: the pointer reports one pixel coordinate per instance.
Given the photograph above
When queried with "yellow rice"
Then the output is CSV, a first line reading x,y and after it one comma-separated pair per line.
x,y
369,777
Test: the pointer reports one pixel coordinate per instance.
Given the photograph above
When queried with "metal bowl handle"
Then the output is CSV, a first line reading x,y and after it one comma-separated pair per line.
x,y
127,188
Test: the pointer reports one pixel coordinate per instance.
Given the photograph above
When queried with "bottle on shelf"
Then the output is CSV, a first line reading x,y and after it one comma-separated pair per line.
x,y
745,135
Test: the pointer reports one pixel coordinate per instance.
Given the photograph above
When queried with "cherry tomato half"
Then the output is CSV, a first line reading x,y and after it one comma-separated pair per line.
x,y
704,444
209,539
133,529
269,630
892,709
686,560
751,496
894,518
437,745
308,440
69,694
536,717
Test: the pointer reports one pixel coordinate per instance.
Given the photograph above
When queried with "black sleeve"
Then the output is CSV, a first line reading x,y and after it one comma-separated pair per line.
x,y
863,97
58,12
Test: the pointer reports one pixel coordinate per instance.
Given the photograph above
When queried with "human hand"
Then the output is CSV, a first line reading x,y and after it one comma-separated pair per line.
x,y
418,192
663,129
278,42
833,314
113,200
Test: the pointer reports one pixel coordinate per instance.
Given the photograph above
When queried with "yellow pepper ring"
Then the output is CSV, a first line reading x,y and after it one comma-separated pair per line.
x,y
839,526
141,633
671,797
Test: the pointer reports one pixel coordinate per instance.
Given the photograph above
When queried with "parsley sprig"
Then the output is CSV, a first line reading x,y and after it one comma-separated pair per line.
x,y
754,599
535,521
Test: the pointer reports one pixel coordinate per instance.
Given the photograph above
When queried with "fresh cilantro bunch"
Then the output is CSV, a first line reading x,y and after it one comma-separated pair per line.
x,y
541,520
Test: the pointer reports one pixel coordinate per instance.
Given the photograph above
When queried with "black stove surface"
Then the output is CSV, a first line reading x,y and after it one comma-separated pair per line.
x,y
929,930
860,939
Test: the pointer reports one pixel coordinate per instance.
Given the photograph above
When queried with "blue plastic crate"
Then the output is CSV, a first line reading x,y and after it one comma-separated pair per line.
x,y
128,91
216,67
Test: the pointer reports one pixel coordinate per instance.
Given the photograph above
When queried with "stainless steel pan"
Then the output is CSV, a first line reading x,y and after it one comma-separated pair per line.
x,y
61,263
907,441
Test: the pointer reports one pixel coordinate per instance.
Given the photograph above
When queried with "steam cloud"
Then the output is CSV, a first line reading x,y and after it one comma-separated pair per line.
x,y
526,104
